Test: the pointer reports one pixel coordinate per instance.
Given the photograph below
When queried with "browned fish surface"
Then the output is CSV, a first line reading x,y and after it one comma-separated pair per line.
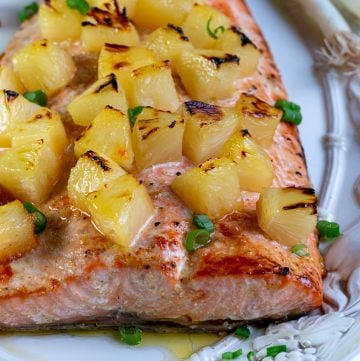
x,y
75,277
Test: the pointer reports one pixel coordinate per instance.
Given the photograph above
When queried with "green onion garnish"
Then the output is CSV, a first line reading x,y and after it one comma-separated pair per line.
x,y
28,11
250,356
130,335
81,6
231,355
202,221
291,111
39,218
214,33
197,238
242,332
328,230
273,351
300,250
37,97
134,113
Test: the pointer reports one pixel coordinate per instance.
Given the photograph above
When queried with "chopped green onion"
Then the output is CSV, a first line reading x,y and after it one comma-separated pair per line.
x,y
242,332
130,335
273,351
37,97
28,11
328,230
291,111
250,356
300,250
202,221
39,217
197,238
134,113
213,33
81,6
231,355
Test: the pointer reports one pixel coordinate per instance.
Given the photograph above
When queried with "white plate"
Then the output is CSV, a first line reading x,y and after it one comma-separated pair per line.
x,y
292,48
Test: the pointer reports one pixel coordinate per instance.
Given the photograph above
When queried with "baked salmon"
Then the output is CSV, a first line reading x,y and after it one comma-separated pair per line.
x,y
77,278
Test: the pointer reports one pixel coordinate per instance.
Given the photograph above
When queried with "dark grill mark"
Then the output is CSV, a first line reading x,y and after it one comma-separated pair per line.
x,y
179,31
245,133
146,135
284,271
116,48
99,161
10,95
112,81
243,38
194,107
228,58
156,224
121,64
173,123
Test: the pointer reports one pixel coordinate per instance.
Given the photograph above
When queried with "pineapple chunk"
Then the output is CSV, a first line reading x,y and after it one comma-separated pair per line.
x,y
16,231
29,171
211,188
287,215
203,21
157,137
260,118
153,85
168,42
207,128
106,91
107,26
155,14
253,164
208,74
58,22
44,65
236,42
10,80
109,134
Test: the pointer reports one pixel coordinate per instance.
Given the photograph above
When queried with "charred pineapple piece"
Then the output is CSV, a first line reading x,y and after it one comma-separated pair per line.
x,y
9,80
44,65
128,5
157,137
287,215
253,164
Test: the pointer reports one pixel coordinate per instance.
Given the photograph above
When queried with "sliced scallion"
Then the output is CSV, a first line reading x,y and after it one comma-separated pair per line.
x,y
196,238
231,355
28,11
82,6
213,33
273,351
242,332
328,230
202,221
39,217
130,335
291,111
37,97
133,113
300,250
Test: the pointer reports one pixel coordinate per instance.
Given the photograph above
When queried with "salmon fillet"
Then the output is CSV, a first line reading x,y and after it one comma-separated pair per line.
x,y
77,278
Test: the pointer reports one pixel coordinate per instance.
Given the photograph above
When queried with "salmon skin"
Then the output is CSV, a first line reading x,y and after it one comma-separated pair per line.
x,y
75,278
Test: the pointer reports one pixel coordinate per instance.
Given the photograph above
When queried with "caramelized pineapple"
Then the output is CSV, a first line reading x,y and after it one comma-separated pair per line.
x,y
208,74
155,14
157,137
128,5
10,80
287,215
106,91
204,25
207,128
260,118
211,188
16,231
109,134
44,65
253,164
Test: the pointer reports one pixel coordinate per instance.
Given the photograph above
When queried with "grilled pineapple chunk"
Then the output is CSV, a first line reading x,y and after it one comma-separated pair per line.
x,y
109,134
58,22
129,5
106,91
16,231
155,14
29,171
260,118
207,128
153,85
107,26
287,215
211,188
208,74
10,80
157,137
44,65
253,164
201,24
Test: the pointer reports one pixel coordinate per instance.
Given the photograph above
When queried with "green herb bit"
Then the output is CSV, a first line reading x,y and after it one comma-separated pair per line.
x,y
197,238
130,335
328,230
250,356
202,221
81,6
39,217
273,351
28,11
291,111
37,97
232,355
242,332
134,113
300,250
214,33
